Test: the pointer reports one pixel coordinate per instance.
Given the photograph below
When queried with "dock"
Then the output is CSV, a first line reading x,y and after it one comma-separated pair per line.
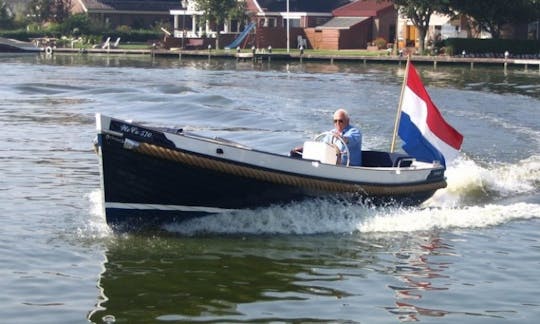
x,y
303,57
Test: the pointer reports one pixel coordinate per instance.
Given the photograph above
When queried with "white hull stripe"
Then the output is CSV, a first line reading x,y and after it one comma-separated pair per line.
x,y
167,207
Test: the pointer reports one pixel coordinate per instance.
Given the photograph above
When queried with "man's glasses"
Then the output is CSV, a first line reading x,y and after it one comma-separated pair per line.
x,y
338,121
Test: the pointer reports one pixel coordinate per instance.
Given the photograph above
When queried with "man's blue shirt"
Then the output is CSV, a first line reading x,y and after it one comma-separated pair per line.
x,y
354,138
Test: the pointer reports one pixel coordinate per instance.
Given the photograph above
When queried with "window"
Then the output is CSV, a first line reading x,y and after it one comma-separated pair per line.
x,y
293,22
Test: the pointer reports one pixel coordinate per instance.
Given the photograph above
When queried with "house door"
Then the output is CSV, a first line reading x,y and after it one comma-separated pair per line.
x,y
411,36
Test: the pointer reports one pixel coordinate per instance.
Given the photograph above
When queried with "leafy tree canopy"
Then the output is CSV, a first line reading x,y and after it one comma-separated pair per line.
x,y
218,10
419,12
491,15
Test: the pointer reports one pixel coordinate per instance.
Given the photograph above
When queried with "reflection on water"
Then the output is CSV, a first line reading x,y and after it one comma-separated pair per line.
x,y
282,278
419,270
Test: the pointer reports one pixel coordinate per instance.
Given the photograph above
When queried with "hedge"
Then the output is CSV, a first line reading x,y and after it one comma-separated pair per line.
x,y
491,46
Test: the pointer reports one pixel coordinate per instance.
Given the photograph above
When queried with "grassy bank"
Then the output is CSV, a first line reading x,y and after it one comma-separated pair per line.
x,y
356,52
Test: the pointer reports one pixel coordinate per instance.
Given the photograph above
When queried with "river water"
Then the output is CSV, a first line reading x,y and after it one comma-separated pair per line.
x,y
470,254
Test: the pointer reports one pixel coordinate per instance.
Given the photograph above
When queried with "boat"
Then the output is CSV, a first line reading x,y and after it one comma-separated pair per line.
x,y
8,45
152,175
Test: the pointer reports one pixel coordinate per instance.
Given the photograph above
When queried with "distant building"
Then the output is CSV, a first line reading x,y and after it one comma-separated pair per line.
x,y
356,25
443,27
275,22
440,27
319,24
133,13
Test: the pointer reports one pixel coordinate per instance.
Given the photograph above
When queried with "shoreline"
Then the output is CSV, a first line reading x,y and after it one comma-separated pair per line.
x,y
297,56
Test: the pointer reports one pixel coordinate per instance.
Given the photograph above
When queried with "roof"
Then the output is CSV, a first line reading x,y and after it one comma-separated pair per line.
x,y
300,5
364,8
131,5
342,22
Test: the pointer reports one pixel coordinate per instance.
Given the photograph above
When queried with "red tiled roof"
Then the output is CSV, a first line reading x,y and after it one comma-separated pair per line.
x,y
342,23
300,5
132,5
363,8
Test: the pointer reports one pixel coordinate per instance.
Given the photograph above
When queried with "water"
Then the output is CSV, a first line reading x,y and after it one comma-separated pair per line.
x,y
470,254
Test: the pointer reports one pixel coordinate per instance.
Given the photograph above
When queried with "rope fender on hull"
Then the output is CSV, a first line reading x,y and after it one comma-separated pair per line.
x,y
280,178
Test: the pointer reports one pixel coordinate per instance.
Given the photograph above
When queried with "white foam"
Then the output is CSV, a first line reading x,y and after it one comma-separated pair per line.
x,y
314,217
410,220
307,217
95,226
468,182
519,178
470,199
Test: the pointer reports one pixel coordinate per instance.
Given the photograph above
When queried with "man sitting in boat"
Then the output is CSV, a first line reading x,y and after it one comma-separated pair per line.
x,y
346,133
349,134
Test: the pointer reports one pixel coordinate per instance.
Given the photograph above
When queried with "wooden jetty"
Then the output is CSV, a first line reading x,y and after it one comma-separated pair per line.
x,y
304,57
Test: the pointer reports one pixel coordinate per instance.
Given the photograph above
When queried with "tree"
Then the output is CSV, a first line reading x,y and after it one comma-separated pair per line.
x,y
79,24
61,10
492,16
42,11
419,12
217,11
6,18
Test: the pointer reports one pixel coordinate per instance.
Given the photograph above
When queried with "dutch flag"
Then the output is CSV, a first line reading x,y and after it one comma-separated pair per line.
x,y
426,135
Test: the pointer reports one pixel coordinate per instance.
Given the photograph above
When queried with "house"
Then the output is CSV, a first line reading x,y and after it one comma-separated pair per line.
x,y
355,25
133,13
282,27
271,18
443,26
320,24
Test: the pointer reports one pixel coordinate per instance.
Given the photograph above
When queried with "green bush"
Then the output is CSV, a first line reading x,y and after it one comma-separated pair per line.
x,y
137,35
80,24
24,35
380,43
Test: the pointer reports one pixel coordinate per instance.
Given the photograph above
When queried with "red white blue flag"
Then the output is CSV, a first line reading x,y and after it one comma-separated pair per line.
x,y
426,135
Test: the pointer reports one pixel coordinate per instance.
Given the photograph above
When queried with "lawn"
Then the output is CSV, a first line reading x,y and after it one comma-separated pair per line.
x,y
355,52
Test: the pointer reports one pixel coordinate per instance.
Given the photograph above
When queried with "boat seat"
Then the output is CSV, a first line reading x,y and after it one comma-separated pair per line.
x,y
384,159
320,151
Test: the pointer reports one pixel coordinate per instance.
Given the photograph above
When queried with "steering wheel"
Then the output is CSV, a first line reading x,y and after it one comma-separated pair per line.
x,y
335,139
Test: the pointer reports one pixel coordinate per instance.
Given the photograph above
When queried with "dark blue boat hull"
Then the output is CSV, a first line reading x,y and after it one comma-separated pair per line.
x,y
131,177
141,189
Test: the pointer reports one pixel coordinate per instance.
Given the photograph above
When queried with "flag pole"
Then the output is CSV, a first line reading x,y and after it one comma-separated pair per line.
x,y
398,114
